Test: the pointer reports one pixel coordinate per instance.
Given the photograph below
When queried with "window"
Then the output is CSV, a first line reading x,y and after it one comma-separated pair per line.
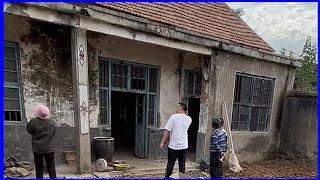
x,y
153,80
119,75
252,103
152,110
193,84
138,78
104,107
104,73
12,95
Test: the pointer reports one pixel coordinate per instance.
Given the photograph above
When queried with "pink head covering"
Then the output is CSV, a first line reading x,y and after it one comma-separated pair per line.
x,y
41,111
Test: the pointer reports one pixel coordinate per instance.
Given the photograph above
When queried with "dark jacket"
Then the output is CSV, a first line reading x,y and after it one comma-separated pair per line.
x,y
42,132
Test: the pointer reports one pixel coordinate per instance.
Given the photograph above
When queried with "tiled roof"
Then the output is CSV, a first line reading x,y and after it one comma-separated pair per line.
x,y
216,20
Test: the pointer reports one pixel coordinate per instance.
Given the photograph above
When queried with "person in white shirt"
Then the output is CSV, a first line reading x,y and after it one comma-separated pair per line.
x,y
177,128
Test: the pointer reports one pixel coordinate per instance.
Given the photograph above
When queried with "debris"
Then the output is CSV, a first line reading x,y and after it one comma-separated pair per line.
x,y
204,165
178,175
26,165
12,161
205,174
85,176
23,172
15,168
70,157
7,165
101,174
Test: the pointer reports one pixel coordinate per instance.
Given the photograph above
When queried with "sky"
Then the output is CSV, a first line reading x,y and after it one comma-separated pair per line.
x,y
283,24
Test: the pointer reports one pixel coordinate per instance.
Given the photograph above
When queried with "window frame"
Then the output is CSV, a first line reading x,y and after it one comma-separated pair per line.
x,y
17,85
194,72
251,105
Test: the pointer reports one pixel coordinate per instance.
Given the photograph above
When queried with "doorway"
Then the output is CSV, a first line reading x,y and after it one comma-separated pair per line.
x,y
193,112
128,92
128,123
123,121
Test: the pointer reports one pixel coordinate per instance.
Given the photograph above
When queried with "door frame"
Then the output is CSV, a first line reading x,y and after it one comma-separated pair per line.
x,y
146,92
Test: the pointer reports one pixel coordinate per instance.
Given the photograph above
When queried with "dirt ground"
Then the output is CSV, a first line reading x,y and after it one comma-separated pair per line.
x,y
279,168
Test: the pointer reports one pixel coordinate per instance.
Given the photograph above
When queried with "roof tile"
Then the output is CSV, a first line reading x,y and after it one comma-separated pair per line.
x,y
216,20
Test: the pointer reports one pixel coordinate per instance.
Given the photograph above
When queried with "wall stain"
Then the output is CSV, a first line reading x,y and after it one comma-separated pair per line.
x,y
93,70
47,74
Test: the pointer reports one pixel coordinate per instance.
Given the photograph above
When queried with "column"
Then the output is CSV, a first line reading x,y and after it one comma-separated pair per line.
x,y
81,101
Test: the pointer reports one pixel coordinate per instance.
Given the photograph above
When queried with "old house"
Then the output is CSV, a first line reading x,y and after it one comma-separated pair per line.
x,y
119,69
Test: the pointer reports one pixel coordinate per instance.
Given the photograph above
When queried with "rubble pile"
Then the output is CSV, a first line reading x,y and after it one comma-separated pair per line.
x,y
15,168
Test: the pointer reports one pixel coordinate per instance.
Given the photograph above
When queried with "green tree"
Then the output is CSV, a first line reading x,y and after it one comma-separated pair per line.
x,y
239,11
306,76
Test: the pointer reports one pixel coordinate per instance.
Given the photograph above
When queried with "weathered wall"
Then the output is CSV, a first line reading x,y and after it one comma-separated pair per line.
x,y
249,146
299,126
167,59
17,142
45,56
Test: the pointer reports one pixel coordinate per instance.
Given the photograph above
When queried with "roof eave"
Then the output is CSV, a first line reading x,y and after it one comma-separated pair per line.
x,y
211,41
132,22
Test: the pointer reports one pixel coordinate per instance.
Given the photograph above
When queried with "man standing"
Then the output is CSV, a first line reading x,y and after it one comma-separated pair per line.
x,y
177,128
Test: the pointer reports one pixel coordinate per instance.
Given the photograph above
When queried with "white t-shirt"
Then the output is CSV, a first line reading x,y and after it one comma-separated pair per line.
x,y
178,125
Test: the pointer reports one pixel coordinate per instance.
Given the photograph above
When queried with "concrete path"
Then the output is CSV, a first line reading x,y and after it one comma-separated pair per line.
x,y
141,168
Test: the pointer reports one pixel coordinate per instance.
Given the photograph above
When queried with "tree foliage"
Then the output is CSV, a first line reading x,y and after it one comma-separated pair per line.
x,y
306,76
239,11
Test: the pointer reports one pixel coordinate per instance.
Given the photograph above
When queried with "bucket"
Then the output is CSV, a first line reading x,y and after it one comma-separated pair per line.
x,y
103,147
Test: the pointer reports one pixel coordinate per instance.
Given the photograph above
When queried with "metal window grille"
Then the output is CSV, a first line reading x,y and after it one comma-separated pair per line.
x,y
12,85
252,103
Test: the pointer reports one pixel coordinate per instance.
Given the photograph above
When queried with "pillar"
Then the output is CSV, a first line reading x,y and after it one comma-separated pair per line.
x,y
81,101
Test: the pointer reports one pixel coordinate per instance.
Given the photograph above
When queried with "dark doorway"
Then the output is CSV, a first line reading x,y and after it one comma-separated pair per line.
x,y
193,112
123,107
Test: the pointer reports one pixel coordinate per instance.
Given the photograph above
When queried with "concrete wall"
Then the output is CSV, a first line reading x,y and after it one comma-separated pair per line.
x,y
17,142
46,48
45,55
167,59
249,146
299,126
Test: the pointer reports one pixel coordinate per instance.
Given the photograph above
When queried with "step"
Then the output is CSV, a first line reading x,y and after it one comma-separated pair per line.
x,y
156,173
157,168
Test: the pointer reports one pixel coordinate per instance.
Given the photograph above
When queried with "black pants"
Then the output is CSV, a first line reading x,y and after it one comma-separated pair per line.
x,y
38,161
172,157
216,170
